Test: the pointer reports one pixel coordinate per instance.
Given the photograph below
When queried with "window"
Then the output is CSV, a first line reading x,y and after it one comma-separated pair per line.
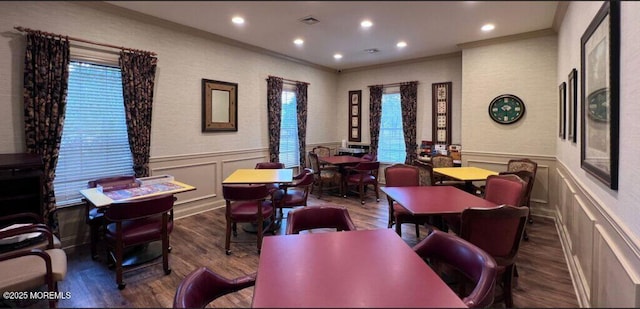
x,y
94,137
391,148
289,147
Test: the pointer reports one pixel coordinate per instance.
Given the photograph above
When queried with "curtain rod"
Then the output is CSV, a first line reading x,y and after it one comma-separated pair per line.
x,y
290,80
393,84
22,29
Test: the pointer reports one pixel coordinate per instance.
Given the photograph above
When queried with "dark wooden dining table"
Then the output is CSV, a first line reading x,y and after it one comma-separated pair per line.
x,y
355,269
341,162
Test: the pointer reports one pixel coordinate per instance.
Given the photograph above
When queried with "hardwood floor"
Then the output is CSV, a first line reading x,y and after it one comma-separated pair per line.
x,y
198,240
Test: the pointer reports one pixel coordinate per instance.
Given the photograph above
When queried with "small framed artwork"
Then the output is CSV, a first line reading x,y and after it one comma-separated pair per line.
x,y
441,112
600,95
355,116
562,110
219,106
572,104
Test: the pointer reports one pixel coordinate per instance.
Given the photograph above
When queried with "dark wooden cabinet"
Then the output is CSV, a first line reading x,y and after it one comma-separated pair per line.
x,y
21,177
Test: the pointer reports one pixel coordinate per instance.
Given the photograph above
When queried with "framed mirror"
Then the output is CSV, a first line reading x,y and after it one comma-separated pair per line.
x,y
219,106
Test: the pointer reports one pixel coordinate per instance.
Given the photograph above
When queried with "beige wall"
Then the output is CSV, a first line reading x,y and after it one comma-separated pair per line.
x,y
522,67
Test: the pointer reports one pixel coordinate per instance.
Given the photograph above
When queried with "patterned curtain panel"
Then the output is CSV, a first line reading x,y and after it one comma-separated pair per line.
x,y
138,75
46,74
375,114
274,110
409,105
301,99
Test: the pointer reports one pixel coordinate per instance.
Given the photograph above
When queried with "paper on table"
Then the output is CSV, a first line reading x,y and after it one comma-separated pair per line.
x,y
17,238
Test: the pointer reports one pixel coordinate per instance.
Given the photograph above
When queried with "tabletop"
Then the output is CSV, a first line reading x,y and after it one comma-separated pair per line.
x,y
102,199
340,160
355,269
252,176
433,200
467,173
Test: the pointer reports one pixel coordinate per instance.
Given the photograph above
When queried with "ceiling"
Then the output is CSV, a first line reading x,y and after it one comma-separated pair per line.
x,y
428,27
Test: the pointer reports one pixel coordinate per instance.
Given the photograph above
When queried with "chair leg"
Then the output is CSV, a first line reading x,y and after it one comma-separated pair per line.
x,y
398,227
390,213
375,187
93,231
507,279
260,230
227,241
165,252
361,189
417,230
119,260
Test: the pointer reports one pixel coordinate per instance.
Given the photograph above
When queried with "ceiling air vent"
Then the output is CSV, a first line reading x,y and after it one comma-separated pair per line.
x,y
372,50
309,20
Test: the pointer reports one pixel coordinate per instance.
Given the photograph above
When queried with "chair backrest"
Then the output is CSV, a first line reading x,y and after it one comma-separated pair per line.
x,y
498,231
314,162
505,189
322,151
370,157
245,192
367,166
527,177
426,172
522,165
441,160
401,175
139,208
317,217
306,180
467,258
269,165
203,286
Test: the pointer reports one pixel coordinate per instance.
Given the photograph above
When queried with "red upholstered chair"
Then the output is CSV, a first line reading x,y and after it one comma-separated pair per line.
x,y
273,166
528,178
203,286
497,231
138,222
296,193
321,151
499,189
94,217
247,203
24,219
319,217
471,261
402,175
362,175
370,157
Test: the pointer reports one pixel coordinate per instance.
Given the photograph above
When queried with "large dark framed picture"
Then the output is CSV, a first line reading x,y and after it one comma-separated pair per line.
x,y
562,110
219,106
572,105
600,85
355,117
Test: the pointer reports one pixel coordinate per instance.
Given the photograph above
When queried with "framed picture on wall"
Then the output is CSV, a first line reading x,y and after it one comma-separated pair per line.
x,y
355,117
600,86
441,113
562,109
572,104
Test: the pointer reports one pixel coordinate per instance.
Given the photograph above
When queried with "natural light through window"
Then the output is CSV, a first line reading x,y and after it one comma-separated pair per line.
x,y
391,147
289,153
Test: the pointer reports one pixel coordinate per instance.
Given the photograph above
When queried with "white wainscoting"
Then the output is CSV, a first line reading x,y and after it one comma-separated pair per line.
x,y
603,260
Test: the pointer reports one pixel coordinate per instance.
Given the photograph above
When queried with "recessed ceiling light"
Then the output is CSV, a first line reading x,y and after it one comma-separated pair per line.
x,y
366,23
402,44
238,20
298,42
488,27
337,56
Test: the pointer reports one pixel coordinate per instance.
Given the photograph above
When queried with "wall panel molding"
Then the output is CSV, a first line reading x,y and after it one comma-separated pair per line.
x,y
603,257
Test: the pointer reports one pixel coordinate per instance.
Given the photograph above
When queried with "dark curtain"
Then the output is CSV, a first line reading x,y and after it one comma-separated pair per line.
x,y
409,105
138,75
375,114
274,111
46,74
301,99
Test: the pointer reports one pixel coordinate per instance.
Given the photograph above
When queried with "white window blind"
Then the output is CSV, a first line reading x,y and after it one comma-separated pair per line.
x,y
391,148
94,137
289,154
